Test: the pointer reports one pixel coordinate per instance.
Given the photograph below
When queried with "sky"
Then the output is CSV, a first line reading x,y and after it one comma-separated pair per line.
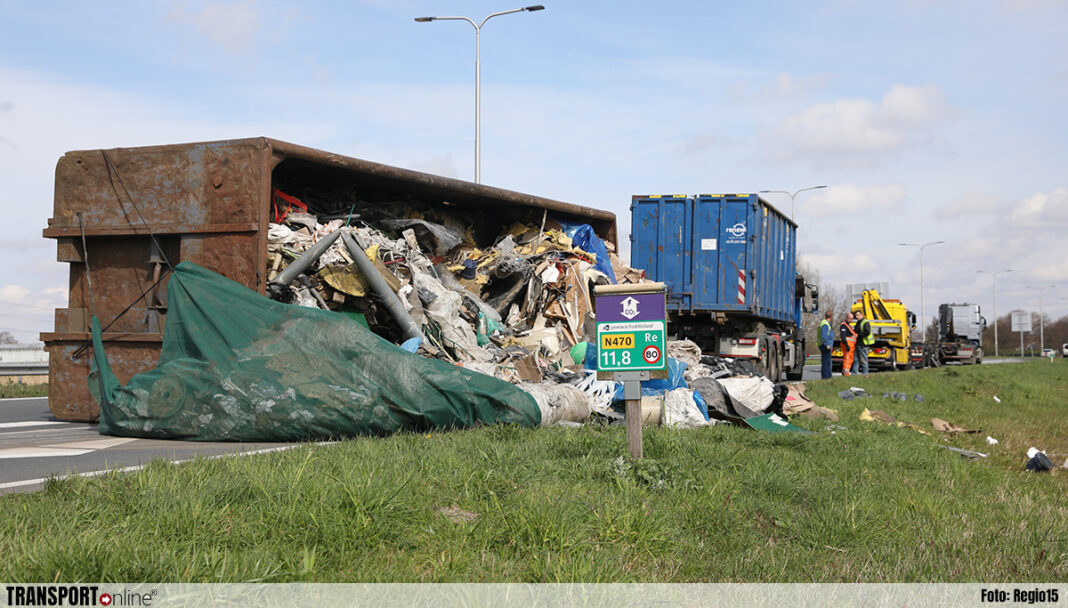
x,y
927,120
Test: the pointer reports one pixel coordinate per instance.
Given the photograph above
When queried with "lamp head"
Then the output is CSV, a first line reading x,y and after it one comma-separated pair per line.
x,y
536,7
424,19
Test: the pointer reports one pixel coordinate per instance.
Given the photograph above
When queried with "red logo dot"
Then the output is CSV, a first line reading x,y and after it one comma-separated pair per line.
x,y
105,599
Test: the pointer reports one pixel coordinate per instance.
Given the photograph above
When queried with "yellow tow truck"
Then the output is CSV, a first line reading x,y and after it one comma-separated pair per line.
x,y
891,324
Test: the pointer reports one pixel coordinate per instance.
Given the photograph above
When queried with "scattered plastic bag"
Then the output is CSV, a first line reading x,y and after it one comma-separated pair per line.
x,y
681,411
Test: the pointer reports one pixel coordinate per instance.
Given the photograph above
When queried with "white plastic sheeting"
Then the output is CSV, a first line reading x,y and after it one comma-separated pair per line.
x,y
755,394
680,410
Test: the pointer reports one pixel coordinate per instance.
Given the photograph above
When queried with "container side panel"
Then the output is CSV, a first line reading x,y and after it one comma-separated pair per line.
x,y
232,255
660,233
775,258
675,252
120,271
707,251
644,235
68,388
171,189
738,284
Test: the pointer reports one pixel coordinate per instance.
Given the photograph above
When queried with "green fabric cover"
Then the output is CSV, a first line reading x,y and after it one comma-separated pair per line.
x,y
237,366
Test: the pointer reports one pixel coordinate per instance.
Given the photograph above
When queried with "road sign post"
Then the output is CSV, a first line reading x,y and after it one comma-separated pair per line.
x,y
631,345
1021,322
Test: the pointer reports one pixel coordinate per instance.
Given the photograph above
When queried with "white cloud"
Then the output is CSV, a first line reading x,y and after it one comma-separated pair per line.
x,y
1042,210
853,199
234,27
860,131
969,206
13,293
839,267
1026,236
1056,270
438,165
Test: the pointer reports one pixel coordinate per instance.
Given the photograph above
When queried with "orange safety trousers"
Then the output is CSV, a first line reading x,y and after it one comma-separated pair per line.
x,y
848,349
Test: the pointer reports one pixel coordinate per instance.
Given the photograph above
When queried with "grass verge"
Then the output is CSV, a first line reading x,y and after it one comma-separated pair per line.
x,y
17,389
868,502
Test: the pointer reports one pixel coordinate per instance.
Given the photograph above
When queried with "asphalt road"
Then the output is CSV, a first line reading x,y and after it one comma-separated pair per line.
x,y
35,446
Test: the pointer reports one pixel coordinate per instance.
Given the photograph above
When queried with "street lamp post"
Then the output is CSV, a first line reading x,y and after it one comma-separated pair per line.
x,y
478,73
1041,321
791,195
994,276
923,309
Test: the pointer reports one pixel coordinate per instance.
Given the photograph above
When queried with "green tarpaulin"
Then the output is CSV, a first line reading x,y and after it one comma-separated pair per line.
x,y
237,366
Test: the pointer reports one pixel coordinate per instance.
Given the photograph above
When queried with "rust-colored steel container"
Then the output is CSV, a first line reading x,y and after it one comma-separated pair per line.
x,y
123,214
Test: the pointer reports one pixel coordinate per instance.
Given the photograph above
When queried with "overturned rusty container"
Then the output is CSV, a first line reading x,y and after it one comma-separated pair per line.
x,y
123,217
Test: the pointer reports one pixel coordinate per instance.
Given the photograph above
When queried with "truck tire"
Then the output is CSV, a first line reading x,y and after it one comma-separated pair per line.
x,y
979,357
776,360
764,362
798,370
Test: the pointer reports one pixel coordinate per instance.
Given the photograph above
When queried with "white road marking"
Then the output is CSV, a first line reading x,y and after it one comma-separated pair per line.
x,y
19,425
95,444
41,452
130,469
59,450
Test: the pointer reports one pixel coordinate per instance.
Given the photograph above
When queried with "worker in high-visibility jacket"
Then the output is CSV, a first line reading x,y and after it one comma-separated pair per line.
x,y
826,343
865,340
849,343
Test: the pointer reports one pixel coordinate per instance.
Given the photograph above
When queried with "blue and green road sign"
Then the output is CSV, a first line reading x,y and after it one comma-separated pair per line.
x,y
631,332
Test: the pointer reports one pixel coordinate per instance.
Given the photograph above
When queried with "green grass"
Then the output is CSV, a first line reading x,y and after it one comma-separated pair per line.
x,y
17,389
870,502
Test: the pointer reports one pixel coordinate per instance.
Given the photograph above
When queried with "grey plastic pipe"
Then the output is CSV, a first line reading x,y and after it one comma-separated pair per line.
x,y
306,259
381,289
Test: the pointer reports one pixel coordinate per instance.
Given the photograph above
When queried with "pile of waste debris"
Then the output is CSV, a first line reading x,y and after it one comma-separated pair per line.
x,y
516,304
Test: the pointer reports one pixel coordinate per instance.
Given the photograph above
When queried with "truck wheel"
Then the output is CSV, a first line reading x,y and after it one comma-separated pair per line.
x,y
764,363
979,356
776,362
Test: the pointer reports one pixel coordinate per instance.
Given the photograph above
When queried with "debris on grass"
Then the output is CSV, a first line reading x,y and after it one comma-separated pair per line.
x,y
881,416
969,454
457,515
1038,461
949,428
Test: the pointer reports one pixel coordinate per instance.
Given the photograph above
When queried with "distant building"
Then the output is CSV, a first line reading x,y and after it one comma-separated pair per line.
x,y
25,363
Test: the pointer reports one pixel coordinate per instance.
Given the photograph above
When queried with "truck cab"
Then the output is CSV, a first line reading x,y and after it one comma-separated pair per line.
x,y
891,323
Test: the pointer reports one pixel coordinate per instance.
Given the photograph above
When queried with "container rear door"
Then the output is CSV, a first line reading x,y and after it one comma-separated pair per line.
x,y
732,289
708,283
661,235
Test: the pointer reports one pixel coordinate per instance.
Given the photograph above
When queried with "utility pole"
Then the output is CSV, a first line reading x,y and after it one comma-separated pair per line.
x,y
994,276
923,315
478,73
